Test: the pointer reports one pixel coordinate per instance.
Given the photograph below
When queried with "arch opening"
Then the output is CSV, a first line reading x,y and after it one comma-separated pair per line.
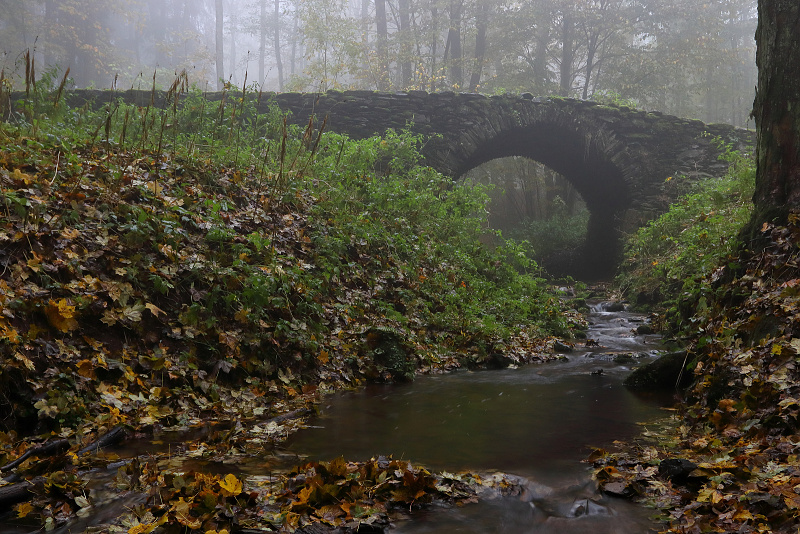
x,y
601,185
529,201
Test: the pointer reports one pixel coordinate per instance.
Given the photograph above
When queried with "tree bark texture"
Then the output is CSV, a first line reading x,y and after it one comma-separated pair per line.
x,y
777,110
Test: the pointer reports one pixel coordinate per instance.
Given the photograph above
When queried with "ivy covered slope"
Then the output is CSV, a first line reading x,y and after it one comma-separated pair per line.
x,y
164,269
729,461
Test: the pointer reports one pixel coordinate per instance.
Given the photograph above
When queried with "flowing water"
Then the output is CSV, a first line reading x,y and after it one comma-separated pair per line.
x,y
537,422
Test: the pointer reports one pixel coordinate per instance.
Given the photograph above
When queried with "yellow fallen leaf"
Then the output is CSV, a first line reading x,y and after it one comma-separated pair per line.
x,y
24,509
20,176
70,233
8,332
242,315
230,485
86,368
61,315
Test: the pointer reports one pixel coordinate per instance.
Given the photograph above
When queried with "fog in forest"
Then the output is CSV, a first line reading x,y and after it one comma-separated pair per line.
x,y
683,57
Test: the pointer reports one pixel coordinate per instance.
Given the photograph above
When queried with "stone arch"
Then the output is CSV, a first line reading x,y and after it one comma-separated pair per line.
x,y
593,161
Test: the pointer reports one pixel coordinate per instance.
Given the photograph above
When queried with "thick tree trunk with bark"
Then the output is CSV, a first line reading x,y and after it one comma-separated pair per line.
x,y
777,110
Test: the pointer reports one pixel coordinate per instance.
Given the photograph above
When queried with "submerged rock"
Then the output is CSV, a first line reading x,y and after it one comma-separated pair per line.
x,y
560,346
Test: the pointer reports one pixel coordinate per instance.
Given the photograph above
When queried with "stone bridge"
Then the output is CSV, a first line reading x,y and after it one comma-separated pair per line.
x,y
617,158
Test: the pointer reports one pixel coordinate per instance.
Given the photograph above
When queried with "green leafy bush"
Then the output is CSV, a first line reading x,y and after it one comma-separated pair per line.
x,y
668,256
559,232
426,228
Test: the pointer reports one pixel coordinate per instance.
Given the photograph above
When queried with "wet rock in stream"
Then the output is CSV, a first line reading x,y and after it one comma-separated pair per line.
x,y
664,373
612,306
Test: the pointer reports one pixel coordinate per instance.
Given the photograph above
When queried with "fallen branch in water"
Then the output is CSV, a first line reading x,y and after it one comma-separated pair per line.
x,y
46,449
113,436
19,492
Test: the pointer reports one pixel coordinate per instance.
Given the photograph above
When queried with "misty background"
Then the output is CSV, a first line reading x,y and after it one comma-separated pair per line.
x,y
691,58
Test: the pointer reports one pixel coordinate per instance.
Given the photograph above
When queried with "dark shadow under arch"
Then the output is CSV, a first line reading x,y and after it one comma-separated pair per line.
x,y
598,180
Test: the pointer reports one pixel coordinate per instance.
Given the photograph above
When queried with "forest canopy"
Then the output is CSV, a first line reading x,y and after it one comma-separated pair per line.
x,y
681,57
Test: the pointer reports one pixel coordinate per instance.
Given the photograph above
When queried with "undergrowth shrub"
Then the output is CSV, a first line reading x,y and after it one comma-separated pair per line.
x,y
559,232
429,229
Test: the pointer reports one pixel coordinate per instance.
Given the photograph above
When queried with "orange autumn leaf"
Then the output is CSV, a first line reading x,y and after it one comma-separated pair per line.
x,y
86,368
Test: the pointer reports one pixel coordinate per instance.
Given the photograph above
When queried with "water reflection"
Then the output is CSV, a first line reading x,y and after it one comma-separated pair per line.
x,y
536,422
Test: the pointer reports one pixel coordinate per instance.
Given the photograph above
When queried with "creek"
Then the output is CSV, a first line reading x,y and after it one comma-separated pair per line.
x,y
536,422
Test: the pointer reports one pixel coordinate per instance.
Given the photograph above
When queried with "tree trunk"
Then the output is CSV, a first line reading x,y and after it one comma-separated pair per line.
x,y
567,54
540,77
480,45
262,42
777,111
277,44
219,50
590,52
232,49
49,23
434,42
454,44
405,50
383,45
295,38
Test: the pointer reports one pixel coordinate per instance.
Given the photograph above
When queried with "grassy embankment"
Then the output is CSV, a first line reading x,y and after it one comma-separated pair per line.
x,y
161,268
733,447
